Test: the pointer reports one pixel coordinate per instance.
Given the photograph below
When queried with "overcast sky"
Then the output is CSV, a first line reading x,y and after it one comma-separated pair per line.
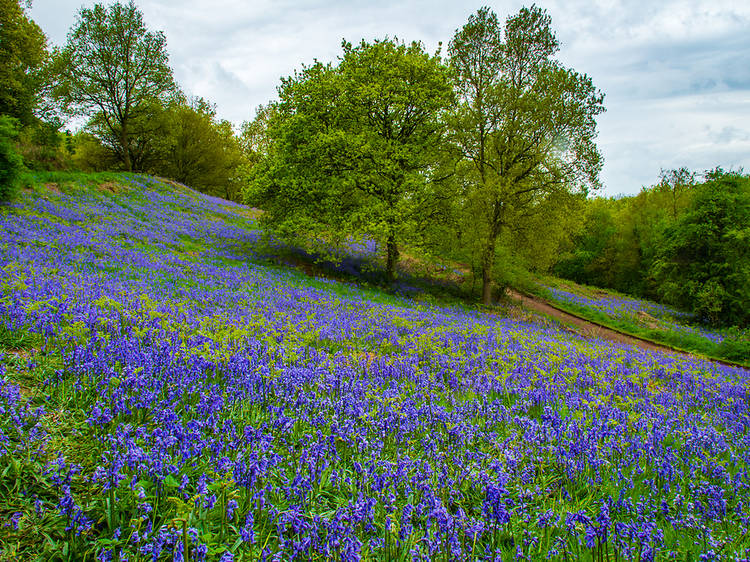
x,y
676,74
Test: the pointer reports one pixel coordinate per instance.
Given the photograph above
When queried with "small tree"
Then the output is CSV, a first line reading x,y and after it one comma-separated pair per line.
x,y
114,70
525,122
351,146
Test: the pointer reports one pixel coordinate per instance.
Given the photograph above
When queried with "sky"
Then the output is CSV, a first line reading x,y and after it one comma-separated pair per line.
x,y
675,74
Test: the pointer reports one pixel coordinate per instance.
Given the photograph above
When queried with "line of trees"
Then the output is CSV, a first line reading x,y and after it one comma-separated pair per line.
x,y
112,75
463,156
684,241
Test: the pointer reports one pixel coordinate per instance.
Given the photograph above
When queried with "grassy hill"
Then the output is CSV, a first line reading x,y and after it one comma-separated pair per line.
x,y
652,321
165,394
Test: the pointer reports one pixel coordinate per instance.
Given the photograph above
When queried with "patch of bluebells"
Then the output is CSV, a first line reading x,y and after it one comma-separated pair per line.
x,y
624,308
240,412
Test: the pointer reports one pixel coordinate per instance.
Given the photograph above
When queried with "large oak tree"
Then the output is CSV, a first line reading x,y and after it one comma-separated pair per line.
x,y
524,122
351,146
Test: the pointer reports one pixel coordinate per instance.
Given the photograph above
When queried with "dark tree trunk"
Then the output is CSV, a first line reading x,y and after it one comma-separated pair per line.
x,y
488,262
391,258
124,146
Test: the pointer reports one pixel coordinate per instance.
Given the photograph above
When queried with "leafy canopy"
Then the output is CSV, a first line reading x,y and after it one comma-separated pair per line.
x,y
704,264
351,146
11,163
525,123
114,70
198,149
23,52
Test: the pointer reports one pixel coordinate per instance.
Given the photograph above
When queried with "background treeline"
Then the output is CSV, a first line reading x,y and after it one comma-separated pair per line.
x,y
684,241
112,82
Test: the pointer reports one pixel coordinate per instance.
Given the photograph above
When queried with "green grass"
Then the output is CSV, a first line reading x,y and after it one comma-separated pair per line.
x,y
733,349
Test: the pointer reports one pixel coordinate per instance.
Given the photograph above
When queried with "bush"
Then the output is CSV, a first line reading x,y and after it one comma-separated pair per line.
x,y
43,147
734,350
11,163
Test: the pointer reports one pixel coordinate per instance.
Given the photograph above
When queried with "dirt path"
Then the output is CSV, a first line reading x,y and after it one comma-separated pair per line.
x,y
587,328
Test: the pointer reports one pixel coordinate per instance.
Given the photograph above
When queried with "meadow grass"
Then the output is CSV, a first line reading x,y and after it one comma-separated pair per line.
x,y
165,394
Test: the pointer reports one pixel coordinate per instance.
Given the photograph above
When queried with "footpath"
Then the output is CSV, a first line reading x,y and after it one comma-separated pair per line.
x,y
590,329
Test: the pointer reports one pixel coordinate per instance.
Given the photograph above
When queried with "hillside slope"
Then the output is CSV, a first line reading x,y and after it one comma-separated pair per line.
x,y
165,395
647,320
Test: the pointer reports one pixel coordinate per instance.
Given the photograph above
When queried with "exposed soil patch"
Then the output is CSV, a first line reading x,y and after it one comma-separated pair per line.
x,y
110,186
586,328
21,356
648,320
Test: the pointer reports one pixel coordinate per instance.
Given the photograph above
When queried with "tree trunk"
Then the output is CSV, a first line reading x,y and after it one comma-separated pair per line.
x,y
391,258
125,147
488,262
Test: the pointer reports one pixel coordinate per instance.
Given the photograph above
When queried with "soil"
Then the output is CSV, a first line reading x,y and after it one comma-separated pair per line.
x,y
586,328
110,186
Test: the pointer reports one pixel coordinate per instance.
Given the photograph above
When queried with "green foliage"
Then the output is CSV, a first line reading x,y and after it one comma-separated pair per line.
x,y
606,251
90,155
26,74
254,138
525,123
704,264
199,150
619,238
144,144
351,146
735,349
23,52
11,163
44,147
182,140
114,70
681,241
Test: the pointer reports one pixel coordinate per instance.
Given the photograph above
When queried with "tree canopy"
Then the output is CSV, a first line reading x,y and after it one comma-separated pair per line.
x,y
11,163
704,263
351,145
200,150
114,70
524,122
23,52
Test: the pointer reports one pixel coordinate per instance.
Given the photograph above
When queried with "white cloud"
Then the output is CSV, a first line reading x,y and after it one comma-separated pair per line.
x,y
675,73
